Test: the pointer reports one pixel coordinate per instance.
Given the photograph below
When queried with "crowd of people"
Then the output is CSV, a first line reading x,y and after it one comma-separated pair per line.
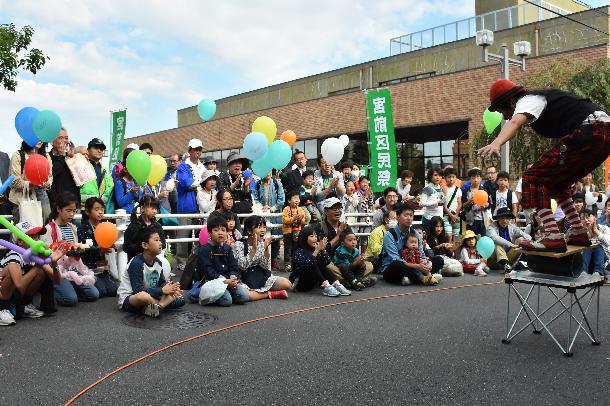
x,y
337,235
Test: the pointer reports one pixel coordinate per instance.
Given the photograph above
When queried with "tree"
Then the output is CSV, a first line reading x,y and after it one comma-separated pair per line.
x,y
590,81
14,56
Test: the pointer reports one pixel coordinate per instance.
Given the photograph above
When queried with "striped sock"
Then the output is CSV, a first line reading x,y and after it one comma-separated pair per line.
x,y
567,205
549,223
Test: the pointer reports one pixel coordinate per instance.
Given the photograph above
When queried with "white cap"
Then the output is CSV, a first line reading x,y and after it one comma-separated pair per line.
x,y
330,202
195,143
132,146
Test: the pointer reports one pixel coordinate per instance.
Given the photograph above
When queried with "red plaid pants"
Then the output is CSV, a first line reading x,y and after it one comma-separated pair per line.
x,y
574,156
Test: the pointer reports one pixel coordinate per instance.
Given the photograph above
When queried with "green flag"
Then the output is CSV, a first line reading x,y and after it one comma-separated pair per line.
x,y
382,143
119,120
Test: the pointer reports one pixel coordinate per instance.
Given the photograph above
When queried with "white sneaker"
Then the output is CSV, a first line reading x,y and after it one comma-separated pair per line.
x,y
343,291
405,281
6,318
438,277
32,312
479,272
152,310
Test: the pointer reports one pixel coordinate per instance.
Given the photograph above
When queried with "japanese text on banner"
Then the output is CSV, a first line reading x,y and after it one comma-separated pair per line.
x,y
119,121
382,147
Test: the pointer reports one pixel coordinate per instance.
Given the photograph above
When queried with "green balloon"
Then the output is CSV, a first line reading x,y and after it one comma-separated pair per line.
x,y
138,165
491,120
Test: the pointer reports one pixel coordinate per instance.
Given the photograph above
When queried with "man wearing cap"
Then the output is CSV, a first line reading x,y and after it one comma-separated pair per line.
x,y
581,128
507,237
102,185
20,281
188,182
211,164
239,184
63,182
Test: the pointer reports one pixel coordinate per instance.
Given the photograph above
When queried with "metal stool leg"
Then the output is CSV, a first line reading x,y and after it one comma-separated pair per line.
x,y
535,325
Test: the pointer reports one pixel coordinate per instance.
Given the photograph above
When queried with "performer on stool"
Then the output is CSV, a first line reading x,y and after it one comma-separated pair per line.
x,y
584,143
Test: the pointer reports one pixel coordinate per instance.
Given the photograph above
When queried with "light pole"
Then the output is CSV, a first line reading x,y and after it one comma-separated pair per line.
x,y
484,39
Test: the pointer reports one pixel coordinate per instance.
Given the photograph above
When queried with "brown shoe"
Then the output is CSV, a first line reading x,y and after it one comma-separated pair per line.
x,y
545,244
582,239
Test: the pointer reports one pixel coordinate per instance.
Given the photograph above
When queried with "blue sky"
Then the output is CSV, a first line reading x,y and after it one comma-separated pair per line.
x,y
156,57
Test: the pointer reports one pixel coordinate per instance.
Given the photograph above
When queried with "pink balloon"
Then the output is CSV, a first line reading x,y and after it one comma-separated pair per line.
x,y
204,236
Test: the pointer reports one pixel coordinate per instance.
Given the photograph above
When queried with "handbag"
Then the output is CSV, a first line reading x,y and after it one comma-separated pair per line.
x,y
255,277
30,210
167,221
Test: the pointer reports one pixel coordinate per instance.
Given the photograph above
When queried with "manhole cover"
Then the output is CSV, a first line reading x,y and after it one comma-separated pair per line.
x,y
171,320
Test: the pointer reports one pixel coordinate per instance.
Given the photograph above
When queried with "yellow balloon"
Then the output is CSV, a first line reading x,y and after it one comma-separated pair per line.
x,y
267,126
158,169
553,205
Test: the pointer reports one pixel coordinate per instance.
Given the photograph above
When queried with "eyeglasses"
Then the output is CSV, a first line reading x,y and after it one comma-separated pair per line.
x,y
227,198
491,173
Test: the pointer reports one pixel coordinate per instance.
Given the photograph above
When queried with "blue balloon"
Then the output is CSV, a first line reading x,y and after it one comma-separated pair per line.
x,y
262,166
255,145
206,109
280,154
485,247
23,125
47,125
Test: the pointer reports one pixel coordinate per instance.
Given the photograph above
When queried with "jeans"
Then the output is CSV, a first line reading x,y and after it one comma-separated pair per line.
x,y
238,295
106,285
593,260
68,293
397,269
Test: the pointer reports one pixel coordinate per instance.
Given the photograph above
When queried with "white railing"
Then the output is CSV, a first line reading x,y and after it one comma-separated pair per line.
x,y
496,20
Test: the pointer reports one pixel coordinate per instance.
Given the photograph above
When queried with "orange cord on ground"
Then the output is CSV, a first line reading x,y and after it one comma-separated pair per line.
x,y
273,316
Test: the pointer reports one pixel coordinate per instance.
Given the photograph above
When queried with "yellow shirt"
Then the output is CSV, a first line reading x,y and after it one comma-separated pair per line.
x,y
375,242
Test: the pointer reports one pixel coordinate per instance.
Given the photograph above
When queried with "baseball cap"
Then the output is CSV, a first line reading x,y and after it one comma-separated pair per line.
x,y
133,145
30,229
330,202
209,159
96,142
195,143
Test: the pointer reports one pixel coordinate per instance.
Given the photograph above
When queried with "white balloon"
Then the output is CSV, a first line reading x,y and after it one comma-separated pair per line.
x,y
601,205
590,199
333,153
325,144
170,185
344,140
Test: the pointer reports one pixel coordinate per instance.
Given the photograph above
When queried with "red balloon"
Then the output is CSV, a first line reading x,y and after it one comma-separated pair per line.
x,y
37,169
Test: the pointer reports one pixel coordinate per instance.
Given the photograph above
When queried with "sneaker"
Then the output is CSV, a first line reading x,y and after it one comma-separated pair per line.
x,y
288,267
545,244
479,272
343,291
437,276
278,294
507,268
331,291
369,281
6,318
152,310
357,285
430,280
581,239
405,281
31,312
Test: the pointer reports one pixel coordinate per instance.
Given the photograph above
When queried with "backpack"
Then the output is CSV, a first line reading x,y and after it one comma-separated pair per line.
x,y
186,280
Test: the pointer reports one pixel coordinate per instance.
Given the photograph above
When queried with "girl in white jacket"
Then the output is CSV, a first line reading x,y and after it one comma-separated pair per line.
x,y
206,196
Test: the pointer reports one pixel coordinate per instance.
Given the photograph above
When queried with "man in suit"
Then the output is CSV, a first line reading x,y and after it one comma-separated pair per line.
x,y
293,179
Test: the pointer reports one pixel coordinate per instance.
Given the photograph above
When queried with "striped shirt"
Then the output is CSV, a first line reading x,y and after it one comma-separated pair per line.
x,y
67,233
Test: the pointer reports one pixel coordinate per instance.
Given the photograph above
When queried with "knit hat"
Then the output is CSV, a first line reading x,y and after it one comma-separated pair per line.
x,y
501,91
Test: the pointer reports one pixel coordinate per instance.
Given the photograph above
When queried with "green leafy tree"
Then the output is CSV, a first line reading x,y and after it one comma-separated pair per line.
x,y
14,54
591,81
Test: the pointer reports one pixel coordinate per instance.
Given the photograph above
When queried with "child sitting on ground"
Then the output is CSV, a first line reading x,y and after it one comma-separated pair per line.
x,y
233,234
470,258
352,265
307,194
95,259
293,218
143,287
216,260
413,258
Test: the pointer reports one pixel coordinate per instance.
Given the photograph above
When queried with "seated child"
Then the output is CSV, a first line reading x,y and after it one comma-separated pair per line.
x,y
143,287
352,265
307,194
233,234
375,240
19,281
412,257
293,218
216,260
95,259
470,258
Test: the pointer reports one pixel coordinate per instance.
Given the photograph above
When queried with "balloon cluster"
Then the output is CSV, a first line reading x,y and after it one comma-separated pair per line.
x,y
267,153
332,149
146,168
33,125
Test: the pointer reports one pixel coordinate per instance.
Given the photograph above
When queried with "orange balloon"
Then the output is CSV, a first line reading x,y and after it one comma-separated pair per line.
x,y
106,234
289,136
480,198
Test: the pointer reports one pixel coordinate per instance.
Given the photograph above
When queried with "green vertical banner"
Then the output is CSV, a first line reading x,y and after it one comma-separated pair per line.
x,y
382,145
118,122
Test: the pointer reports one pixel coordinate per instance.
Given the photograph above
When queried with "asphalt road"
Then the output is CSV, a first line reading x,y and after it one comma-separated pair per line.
x,y
440,347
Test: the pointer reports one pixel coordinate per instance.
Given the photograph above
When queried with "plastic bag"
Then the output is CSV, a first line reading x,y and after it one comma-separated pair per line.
x,y
82,171
30,210
212,291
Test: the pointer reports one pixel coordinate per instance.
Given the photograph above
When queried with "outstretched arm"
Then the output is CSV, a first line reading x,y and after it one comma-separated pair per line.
x,y
508,132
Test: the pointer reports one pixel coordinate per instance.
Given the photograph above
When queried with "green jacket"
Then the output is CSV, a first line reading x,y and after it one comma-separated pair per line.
x,y
90,188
